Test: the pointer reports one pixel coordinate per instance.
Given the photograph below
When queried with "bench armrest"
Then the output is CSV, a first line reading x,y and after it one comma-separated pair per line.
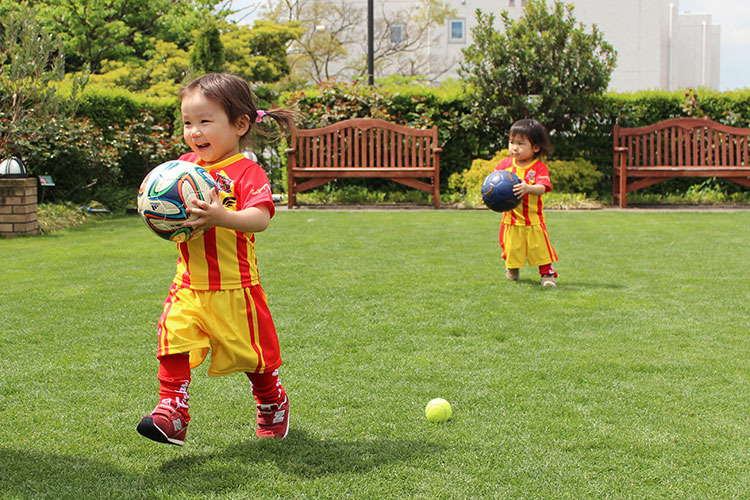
x,y
621,149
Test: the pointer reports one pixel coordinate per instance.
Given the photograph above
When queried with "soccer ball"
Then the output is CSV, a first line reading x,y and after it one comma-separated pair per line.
x,y
497,191
166,193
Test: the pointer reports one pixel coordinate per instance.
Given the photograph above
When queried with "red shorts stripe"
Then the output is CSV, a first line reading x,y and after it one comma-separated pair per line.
x,y
252,326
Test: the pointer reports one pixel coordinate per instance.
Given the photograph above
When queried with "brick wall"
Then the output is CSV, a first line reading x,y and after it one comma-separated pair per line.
x,y
18,208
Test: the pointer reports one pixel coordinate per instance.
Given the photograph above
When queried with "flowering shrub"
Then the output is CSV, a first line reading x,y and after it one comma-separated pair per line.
x,y
142,144
71,150
469,182
578,176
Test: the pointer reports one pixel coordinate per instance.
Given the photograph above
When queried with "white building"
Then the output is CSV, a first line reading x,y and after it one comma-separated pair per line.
x,y
657,46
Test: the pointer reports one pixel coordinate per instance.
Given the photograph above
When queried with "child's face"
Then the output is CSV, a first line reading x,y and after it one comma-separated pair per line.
x,y
521,149
207,129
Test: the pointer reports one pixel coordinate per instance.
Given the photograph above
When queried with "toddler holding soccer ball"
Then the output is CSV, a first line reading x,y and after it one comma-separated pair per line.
x,y
215,301
523,233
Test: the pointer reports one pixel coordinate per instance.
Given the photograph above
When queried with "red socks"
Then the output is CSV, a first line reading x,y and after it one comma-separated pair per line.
x,y
174,378
266,387
546,270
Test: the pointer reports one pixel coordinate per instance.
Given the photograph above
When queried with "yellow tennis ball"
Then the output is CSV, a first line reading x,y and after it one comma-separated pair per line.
x,y
438,410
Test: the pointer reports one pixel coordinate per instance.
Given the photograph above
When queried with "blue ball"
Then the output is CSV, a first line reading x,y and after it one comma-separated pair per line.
x,y
497,191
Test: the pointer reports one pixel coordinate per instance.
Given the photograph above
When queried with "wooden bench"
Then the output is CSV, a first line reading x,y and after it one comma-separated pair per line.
x,y
364,148
680,147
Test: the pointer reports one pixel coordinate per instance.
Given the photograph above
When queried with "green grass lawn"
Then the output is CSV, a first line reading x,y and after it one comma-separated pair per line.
x,y
630,380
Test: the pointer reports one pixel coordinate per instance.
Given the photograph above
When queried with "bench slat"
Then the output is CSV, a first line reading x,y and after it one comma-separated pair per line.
x,y
363,172
364,147
680,147
710,171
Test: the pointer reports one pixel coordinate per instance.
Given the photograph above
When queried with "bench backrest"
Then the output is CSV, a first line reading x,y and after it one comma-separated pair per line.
x,y
682,142
364,142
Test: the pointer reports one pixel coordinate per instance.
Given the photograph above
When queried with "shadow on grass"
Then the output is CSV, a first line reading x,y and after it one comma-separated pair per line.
x,y
34,474
568,285
306,457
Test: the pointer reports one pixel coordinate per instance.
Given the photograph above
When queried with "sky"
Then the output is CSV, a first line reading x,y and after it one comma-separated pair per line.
x,y
732,15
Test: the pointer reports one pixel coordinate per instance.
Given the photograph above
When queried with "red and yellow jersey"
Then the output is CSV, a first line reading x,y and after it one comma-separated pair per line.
x,y
221,258
530,211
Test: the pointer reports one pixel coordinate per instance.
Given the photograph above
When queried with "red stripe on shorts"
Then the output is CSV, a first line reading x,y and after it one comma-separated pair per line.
x,y
253,325
552,253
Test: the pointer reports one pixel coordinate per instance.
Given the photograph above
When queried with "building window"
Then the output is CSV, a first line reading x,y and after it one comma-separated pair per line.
x,y
396,35
511,3
457,31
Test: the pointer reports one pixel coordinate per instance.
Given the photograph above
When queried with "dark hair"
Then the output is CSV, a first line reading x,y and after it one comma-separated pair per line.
x,y
535,133
236,99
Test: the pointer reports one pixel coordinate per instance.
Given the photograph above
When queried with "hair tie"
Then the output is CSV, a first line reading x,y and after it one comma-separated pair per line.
x,y
259,114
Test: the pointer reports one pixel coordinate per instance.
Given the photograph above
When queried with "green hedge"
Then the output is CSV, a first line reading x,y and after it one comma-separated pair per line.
x,y
103,152
418,106
107,107
448,106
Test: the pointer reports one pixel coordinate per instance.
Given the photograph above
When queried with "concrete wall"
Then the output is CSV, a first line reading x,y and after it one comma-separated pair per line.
x,y
657,46
699,51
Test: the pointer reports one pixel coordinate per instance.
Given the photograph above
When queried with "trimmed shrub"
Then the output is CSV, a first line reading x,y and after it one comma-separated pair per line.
x,y
73,151
579,176
109,107
469,182
566,177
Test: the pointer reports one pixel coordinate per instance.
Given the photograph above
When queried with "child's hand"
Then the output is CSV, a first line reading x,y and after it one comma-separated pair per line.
x,y
209,213
521,189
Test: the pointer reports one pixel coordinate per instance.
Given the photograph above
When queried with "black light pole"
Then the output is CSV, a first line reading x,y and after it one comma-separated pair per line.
x,y
370,43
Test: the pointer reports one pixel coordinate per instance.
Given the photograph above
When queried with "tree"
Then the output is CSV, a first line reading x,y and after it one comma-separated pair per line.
x,y
404,35
160,75
122,30
333,44
37,122
259,54
207,55
31,64
328,30
544,66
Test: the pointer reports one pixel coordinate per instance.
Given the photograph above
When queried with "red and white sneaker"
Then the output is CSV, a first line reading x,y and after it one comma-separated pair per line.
x,y
273,420
549,280
165,424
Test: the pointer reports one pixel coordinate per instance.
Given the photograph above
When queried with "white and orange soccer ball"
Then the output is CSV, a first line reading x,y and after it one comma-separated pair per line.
x,y
165,195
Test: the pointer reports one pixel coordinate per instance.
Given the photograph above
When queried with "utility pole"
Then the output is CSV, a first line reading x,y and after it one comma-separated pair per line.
x,y
370,43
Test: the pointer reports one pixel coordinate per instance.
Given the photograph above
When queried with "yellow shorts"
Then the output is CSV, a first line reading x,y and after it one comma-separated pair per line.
x,y
520,243
235,325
